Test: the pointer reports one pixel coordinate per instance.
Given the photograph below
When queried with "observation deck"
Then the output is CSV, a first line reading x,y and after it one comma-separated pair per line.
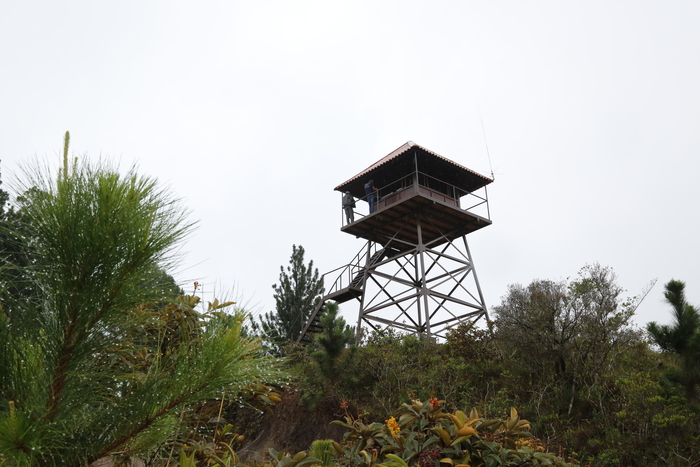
x,y
419,194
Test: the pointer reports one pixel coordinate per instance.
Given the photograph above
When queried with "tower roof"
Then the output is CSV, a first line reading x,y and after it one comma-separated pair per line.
x,y
408,158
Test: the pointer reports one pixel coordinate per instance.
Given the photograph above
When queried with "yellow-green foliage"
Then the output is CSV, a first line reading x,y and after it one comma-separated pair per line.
x,y
323,449
427,436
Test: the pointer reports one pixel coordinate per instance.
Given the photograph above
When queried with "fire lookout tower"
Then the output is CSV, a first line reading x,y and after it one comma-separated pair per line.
x,y
415,272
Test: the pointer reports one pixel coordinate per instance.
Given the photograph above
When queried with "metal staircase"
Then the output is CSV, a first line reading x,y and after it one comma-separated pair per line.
x,y
342,290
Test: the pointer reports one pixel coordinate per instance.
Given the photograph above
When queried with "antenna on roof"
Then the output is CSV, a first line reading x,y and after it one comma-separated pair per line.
x,y
486,144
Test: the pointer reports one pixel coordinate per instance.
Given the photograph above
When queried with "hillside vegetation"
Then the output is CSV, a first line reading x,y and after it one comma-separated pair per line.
x,y
104,360
563,354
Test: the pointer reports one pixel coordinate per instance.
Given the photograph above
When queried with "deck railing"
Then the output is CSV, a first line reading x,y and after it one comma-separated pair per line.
x,y
475,202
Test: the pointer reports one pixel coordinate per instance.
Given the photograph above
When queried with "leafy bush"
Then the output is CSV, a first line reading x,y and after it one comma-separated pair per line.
x,y
426,436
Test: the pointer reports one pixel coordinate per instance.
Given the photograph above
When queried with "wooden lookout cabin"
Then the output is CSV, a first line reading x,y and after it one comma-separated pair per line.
x,y
415,271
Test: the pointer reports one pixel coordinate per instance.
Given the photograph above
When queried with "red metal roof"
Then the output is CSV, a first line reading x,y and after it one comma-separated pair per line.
x,y
400,150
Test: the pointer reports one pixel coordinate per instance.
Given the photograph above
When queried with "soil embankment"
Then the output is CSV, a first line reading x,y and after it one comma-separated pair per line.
x,y
292,427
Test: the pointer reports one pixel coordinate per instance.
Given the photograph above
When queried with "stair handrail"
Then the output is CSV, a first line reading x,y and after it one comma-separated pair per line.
x,y
348,272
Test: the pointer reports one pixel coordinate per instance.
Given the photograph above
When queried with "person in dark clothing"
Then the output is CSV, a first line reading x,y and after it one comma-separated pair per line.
x,y
348,206
370,191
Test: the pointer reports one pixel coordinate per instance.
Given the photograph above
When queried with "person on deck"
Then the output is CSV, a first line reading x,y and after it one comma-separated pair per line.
x,y
348,206
370,191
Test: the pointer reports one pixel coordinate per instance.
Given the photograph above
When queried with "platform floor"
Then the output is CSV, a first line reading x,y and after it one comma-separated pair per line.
x,y
399,220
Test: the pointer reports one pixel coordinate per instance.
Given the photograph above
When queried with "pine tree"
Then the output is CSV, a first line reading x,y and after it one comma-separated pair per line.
x,y
681,338
333,356
296,295
332,343
97,243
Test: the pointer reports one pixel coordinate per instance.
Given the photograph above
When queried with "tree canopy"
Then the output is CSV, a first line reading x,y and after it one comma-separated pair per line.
x,y
571,330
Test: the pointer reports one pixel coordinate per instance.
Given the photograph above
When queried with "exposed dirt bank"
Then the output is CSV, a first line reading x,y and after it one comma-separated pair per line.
x,y
292,427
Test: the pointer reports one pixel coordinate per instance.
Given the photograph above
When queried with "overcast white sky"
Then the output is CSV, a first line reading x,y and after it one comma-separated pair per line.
x,y
254,111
